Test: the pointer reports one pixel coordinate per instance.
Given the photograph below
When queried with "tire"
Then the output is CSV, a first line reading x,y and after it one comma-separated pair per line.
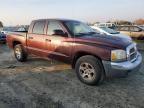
x,y
19,53
89,70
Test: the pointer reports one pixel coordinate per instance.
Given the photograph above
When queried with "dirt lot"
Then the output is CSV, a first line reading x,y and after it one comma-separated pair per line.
x,y
40,83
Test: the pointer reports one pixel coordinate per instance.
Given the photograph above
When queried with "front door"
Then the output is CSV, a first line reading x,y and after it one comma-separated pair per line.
x,y
57,42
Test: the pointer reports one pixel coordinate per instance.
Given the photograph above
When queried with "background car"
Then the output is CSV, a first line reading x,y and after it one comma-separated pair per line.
x,y
133,31
109,25
108,31
6,30
142,26
2,37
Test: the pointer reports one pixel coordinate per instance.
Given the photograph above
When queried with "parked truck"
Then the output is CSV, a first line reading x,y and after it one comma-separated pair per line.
x,y
93,56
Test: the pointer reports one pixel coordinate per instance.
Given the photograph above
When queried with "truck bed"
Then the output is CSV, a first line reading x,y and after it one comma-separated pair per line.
x,y
16,37
18,33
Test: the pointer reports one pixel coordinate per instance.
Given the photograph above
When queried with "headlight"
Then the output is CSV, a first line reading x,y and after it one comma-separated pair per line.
x,y
118,55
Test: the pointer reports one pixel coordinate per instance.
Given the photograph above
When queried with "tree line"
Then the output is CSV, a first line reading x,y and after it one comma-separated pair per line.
x,y
1,24
124,22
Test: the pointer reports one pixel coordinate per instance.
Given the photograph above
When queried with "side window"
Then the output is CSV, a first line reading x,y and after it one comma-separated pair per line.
x,y
124,29
54,26
134,29
39,27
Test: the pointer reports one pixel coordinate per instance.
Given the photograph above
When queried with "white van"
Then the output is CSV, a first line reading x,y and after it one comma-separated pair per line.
x,y
109,25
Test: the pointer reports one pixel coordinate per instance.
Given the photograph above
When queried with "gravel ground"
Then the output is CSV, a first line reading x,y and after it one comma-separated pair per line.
x,y
40,83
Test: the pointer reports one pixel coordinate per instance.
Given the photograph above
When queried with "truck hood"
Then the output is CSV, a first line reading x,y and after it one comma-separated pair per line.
x,y
108,41
123,36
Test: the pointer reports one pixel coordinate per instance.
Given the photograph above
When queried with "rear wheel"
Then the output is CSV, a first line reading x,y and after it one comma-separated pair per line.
x,y
89,70
19,53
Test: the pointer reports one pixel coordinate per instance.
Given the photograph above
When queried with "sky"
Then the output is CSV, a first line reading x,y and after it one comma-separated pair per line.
x,y
17,12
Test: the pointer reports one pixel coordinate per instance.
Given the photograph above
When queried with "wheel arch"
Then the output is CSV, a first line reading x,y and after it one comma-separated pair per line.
x,y
16,43
80,54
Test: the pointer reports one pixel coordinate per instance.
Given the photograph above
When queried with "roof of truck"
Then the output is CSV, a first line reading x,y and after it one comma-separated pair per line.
x,y
57,19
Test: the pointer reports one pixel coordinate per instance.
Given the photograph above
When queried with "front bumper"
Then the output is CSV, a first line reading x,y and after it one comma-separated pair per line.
x,y
113,69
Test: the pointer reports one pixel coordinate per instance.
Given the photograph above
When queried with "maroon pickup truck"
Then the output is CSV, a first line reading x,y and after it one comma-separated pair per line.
x,y
93,56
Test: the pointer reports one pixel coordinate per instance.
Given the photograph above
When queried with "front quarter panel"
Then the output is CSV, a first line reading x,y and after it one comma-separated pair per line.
x,y
100,51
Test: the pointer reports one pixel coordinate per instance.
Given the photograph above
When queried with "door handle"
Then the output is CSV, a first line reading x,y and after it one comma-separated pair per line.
x,y
30,37
48,40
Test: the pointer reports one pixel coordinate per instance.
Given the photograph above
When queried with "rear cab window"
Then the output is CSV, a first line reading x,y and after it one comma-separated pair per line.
x,y
39,27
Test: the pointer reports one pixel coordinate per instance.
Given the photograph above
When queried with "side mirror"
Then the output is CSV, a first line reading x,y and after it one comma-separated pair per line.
x,y
60,33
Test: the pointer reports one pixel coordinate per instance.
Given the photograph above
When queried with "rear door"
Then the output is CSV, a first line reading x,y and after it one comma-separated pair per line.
x,y
36,38
58,46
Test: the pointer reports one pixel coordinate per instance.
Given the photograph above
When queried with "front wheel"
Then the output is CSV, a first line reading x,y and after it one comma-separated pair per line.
x,y
89,70
19,53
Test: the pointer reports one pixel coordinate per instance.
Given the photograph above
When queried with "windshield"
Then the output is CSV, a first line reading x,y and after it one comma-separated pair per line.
x,y
111,31
78,28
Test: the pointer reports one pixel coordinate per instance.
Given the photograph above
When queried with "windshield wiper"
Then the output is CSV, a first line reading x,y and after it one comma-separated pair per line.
x,y
92,33
88,33
81,34
115,33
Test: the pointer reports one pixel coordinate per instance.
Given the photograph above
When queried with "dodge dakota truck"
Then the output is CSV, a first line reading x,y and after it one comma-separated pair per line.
x,y
93,56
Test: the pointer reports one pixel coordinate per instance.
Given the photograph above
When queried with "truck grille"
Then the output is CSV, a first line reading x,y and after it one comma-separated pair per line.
x,y
132,52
